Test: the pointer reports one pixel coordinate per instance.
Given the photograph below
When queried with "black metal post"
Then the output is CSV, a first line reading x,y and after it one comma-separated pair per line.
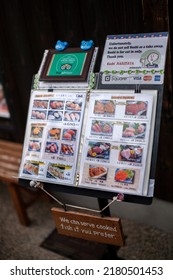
x,y
111,249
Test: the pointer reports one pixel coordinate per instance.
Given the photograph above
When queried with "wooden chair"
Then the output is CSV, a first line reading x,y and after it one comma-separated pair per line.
x,y
10,157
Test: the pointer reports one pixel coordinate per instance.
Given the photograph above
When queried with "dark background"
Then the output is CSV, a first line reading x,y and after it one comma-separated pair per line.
x,y
27,28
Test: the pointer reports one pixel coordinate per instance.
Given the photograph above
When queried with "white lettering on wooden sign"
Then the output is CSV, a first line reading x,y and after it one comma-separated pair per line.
x,y
80,225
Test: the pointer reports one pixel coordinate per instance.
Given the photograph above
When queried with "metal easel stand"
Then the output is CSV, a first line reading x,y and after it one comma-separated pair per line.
x,y
111,249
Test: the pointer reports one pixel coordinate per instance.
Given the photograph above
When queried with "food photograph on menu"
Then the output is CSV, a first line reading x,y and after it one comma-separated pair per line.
x,y
100,127
36,130
130,153
34,146
104,107
99,150
40,104
136,108
31,167
97,172
134,130
124,175
54,133
67,149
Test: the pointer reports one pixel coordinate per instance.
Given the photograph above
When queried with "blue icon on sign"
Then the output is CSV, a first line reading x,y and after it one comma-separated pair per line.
x,y
157,78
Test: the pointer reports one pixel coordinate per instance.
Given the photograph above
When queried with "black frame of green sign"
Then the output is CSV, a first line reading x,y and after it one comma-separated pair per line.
x,y
50,74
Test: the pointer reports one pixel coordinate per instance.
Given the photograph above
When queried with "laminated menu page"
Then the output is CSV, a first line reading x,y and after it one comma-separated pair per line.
x,y
52,136
117,142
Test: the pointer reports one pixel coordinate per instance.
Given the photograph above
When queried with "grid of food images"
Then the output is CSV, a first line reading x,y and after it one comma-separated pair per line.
x,y
116,141
52,136
114,153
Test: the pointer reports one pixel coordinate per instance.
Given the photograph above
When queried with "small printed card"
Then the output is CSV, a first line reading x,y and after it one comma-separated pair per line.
x,y
134,59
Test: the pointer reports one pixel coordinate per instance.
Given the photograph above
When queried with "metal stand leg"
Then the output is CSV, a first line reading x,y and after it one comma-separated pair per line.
x,y
111,250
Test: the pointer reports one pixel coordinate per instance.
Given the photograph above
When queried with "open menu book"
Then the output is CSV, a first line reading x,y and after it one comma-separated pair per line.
x,y
101,142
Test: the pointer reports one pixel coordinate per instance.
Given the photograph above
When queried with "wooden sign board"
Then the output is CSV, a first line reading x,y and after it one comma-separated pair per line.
x,y
99,229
